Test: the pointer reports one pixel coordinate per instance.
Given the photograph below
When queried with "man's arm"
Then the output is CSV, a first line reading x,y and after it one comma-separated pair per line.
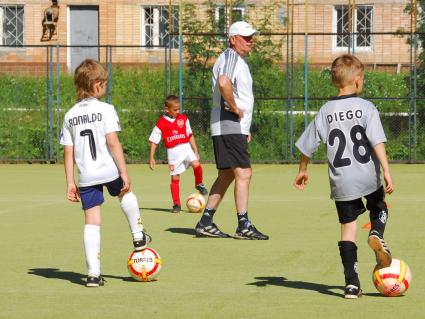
x,y
382,157
117,154
226,91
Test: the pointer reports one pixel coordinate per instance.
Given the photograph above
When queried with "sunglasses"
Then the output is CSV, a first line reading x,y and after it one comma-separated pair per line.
x,y
246,38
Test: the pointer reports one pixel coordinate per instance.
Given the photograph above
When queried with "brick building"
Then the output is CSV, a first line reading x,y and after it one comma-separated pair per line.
x,y
142,27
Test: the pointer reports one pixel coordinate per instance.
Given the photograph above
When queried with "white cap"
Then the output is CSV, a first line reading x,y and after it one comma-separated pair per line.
x,y
241,28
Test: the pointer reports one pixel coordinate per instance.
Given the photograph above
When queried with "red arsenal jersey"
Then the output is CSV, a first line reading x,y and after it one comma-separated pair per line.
x,y
173,133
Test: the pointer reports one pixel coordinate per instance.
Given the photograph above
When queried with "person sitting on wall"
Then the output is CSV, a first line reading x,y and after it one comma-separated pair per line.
x,y
51,17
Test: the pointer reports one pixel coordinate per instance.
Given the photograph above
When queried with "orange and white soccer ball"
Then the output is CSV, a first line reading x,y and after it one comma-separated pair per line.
x,y
195,203
394,280
144,265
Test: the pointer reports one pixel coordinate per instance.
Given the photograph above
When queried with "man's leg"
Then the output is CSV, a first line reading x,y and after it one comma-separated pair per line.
x,y
242,180
245,228
205,226
221,184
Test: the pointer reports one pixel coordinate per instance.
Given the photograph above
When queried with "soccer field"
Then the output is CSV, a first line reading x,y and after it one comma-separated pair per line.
x,y
295,274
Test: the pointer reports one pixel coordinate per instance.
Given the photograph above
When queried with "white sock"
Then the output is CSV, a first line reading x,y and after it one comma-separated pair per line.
x,y
92,248
130,207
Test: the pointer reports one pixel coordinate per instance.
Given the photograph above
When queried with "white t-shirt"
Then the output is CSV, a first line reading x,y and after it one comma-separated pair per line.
x,y
224,122
85,127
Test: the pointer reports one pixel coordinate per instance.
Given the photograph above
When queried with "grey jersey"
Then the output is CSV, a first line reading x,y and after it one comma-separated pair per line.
x,y
224,122
350,127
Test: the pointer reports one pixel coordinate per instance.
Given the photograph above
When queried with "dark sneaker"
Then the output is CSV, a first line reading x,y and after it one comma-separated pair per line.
x,y
250,232
94,281
209,231
176,209
202,189
352,292
379,246
141,244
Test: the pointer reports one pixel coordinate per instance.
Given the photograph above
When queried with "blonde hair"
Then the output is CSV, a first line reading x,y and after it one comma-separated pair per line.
x,y
86,75
345,69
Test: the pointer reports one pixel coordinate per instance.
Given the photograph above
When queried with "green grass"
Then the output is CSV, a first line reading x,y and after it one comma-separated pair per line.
x,y
296,274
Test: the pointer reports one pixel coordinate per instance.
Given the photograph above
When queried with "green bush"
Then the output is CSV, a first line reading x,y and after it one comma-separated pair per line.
x,y
138,96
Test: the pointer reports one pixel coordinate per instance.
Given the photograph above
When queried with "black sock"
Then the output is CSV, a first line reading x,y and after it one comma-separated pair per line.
x,y
207,217
378,220
243,220
348,253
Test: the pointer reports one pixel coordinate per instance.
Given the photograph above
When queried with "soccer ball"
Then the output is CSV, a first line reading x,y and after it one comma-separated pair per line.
x,y
195,203
144,265
393,280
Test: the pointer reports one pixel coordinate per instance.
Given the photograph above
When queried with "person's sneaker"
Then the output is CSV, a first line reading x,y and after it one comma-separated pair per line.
x,y
250,232
209,231
176,209
94,281
141,244
352,292
379,246
202,189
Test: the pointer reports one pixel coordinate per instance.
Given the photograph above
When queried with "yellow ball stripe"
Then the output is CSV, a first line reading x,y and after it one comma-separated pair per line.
x,y
377,276
403,270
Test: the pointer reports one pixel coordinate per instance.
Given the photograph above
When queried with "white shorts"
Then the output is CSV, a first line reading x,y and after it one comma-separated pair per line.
x,y
180,157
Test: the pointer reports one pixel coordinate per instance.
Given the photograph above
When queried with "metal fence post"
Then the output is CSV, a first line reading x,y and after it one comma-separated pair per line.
x,y
306,81
58,98
108,49
50,109
415,136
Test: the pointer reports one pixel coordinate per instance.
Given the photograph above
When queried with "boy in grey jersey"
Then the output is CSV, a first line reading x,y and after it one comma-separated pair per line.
x,y
355,142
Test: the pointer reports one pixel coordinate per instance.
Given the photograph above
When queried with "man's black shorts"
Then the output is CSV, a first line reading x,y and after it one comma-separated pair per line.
x,y
348,211
231,151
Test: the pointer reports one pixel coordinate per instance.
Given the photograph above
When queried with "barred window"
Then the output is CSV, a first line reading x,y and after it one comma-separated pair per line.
x,y
238,14
361,21
12,24
155,26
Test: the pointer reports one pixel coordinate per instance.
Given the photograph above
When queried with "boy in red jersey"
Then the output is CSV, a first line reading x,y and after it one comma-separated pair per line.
x,y
174,129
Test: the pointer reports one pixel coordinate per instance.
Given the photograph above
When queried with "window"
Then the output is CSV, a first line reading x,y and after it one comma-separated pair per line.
x,y
220,16
361,22
11,25
155,26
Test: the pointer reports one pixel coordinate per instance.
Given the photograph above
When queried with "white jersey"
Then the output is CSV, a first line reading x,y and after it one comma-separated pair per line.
x,y
224,122
350,127
85,127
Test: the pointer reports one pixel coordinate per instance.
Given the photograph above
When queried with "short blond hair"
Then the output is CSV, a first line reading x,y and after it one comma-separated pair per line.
x,y
345,69
86,75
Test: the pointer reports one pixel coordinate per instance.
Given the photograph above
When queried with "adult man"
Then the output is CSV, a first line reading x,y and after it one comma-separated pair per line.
x,y
230,129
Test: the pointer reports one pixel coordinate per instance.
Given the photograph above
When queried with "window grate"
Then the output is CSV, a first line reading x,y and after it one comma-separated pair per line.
x,y
155,24
361,22
12,25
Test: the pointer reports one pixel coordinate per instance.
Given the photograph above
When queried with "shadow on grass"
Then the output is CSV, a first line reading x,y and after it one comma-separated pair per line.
x,y
73,277
166,210
184,231
283,282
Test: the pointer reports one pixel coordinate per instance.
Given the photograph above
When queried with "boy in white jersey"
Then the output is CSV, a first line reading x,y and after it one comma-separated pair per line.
x,y
90,139
174,129
355,142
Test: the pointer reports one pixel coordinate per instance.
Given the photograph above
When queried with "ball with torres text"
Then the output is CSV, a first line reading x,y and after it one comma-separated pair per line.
x,y
195,203
144,265
394,280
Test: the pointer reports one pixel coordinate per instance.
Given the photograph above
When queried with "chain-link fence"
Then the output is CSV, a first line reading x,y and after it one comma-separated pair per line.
x,y
36,95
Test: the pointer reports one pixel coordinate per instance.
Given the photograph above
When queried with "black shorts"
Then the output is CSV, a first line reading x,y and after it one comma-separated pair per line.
x,y
231,151
92,196
348,211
